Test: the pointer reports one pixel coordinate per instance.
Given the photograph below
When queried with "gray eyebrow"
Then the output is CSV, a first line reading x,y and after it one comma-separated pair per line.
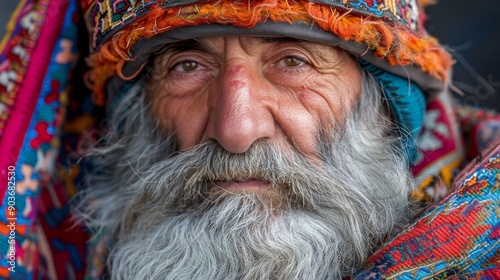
x,y
200,45
185,45
311,45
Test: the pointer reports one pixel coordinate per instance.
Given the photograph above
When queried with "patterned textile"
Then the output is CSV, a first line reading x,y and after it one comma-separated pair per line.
x,y
37,237
441,151
450,136
482,125
107,17
456,239
16,48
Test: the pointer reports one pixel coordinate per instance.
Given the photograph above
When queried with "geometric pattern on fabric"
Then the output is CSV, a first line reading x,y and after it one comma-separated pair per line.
x,y
459,238
440,151
482,125
24,57
108,17
15,52
39,223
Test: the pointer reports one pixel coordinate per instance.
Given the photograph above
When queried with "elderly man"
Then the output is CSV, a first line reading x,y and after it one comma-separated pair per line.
x,y
279,140
248,157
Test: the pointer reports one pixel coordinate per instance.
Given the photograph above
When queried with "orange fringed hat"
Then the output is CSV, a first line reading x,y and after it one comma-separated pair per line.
x,y
387,33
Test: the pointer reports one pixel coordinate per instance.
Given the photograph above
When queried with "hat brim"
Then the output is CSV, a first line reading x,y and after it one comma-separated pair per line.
x,y
144,49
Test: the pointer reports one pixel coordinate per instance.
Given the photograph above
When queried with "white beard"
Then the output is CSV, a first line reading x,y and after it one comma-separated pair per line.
x,y
166,221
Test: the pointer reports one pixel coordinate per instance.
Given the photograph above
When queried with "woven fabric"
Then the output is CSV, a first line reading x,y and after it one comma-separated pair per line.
x,y
38,239
456,239
15,52
442,147
483,126
108,17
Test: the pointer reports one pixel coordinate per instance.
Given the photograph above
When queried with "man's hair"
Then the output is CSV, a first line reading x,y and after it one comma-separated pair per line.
x,y
165,219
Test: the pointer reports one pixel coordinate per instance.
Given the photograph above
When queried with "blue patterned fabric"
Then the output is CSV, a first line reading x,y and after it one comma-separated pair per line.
x,y
459,238
407,104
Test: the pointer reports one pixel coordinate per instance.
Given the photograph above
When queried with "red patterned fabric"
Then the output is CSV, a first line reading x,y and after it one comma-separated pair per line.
x,y
459,237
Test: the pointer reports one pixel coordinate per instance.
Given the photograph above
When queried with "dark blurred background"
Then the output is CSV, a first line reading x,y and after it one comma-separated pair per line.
x,y
469,29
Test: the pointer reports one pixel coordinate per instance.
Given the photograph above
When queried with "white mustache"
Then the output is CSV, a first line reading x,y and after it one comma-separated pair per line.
x,y
152,202
186,176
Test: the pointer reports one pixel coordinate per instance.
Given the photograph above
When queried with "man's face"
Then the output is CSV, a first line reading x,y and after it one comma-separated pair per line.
x,y
247,158
237,90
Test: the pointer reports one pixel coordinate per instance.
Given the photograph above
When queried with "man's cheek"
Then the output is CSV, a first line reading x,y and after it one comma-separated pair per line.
x,y
298,127
322,102
171,114
189,127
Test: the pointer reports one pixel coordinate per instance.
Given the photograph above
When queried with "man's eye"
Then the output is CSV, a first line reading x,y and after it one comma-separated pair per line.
x,y
186,66
291,61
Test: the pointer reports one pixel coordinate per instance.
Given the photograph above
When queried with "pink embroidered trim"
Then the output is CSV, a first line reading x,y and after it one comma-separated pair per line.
x,y
22,111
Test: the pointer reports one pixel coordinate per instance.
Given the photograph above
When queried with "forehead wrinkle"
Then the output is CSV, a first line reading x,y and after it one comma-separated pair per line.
x,y
321,51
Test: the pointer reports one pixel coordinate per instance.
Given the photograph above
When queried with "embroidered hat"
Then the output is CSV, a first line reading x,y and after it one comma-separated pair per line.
x,y
389,34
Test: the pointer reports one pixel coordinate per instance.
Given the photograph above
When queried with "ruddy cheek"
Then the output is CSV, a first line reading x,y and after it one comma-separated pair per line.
x,y
165,115
236,85
170,110
302,130
303,93
313,101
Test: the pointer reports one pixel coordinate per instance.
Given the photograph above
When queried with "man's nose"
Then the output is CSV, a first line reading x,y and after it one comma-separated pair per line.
x,y
239,115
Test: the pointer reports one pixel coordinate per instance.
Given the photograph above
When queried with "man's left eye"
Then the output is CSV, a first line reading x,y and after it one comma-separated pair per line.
x,y
291,61
186,66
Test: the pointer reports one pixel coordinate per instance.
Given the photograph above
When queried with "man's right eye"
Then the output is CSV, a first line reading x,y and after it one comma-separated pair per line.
x,y
186,66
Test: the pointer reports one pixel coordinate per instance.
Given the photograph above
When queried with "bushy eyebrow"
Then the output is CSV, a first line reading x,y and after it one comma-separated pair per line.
x,y
202,45
187,45
313,47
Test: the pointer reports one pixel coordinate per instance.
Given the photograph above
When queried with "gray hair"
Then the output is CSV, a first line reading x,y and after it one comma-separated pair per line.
x,y
165,221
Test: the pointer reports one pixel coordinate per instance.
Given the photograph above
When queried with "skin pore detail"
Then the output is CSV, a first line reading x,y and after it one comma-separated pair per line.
x,y
246,88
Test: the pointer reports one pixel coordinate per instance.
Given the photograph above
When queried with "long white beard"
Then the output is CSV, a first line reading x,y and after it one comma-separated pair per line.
x,y
166,221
